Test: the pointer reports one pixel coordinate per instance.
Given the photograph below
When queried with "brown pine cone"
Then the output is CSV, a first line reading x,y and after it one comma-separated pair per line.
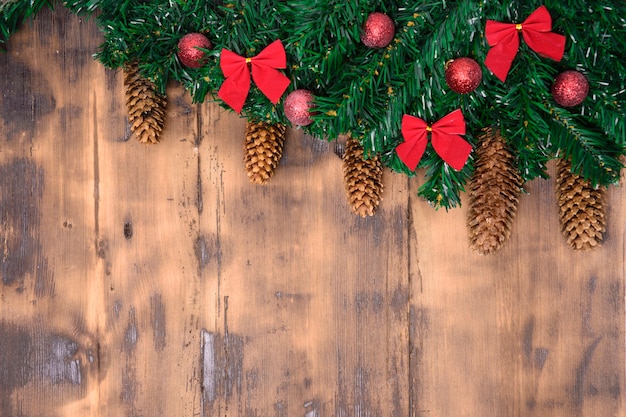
x,y
145,105
263,149
494,191
363,179
582,209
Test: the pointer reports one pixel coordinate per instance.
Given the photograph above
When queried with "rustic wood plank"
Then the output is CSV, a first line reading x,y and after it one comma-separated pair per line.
x,y
537,329
147,237
49,341
312,301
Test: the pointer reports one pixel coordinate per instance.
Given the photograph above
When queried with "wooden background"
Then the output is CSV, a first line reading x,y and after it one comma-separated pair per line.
x,y
156,281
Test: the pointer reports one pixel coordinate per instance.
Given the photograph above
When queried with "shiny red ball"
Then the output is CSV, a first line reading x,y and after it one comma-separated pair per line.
x,y
570,88
378,31
188,52
298,106
463,75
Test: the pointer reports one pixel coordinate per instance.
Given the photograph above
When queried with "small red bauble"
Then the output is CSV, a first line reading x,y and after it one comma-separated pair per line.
x,y
378,31
298,106
463,75
570,88
188,52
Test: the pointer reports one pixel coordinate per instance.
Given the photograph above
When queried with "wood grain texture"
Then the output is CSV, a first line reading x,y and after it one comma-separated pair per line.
x,y
535,331
156,280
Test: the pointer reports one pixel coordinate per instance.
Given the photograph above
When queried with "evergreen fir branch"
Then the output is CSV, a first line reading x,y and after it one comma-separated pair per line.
x,y
605,107
523,115
444,185
149,33
602,59
377,87
593,154
366,91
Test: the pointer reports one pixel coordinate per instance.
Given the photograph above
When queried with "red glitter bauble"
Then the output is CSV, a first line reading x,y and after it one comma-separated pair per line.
x,y
570,88
188,52
463,75
298,106
378,31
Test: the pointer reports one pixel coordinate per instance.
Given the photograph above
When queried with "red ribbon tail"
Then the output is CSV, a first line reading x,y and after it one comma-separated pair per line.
x,y
500,57
446,141
235,88
270,81
547,44
498,65
234,91
452,148
415,140
265,74
410,152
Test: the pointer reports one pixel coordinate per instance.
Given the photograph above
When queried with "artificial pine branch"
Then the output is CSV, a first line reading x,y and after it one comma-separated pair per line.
x,y
524,119
443,185
366,91
593,154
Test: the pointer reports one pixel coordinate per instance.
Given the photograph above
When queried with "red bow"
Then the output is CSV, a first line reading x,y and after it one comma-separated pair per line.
x,y
504,40
444,136
265,65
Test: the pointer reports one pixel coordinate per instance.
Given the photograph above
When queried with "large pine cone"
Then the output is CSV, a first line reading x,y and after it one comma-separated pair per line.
x,y
582,208
263,149
494,192
145,105
363,179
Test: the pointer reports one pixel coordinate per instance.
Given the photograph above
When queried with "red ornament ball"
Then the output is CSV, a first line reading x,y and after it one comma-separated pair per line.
x,y
298,106
570,88
378,31
188,52
463,75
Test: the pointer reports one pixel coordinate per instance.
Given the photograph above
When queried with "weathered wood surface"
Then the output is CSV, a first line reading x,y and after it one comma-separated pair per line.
x,y
156,281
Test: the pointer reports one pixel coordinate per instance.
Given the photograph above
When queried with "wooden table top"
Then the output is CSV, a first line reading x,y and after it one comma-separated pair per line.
x,y
157,281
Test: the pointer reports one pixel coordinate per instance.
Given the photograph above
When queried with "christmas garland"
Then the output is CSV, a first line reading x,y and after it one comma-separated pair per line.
x,y
414,83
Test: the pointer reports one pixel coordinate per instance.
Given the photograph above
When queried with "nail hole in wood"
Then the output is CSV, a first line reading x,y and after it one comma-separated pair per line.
x,y
128,230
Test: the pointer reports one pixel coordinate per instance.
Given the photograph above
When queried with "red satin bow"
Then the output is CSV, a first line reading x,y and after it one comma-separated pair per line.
x,y
444,136
504,41
265,74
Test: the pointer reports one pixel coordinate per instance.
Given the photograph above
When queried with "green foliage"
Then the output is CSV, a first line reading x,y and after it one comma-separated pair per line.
x,y
366,91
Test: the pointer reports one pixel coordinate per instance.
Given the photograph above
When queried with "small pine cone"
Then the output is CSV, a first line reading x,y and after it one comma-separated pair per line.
x,y
582,208
363,179
263,149
494,191
145,105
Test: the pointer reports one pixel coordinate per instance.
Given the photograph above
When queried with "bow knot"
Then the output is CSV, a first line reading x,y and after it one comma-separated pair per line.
x,y
445,138
265,74
503,38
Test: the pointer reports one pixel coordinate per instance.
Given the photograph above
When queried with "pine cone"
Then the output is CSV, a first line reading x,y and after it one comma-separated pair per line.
x,y
494,191
582,208
363,179
262,150
145,105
